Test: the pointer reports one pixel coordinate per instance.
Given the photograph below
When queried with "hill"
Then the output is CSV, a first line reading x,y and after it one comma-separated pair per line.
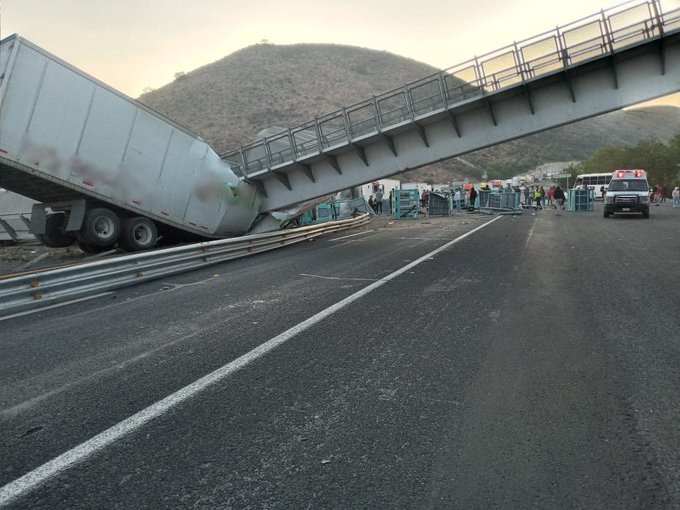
x,y
229,101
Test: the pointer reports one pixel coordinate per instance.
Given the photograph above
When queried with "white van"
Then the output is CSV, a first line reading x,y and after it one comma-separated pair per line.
x,y
628,192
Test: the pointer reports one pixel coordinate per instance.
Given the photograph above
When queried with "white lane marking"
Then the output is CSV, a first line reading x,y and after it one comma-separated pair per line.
x,y
339,278
351,235
342,244
524,249
57,305
40,475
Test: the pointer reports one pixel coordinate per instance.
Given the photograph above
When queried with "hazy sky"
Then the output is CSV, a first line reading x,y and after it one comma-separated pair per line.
x,y
133,44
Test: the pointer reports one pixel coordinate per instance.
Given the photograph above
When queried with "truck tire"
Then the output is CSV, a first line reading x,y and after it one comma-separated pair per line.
x,y
55,236
137,233
101,228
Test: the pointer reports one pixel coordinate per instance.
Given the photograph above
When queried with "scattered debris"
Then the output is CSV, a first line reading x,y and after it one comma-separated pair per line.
x,y
32,262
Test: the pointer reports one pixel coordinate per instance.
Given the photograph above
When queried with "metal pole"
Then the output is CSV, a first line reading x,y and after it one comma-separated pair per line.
x,y
244,162
348,125
318,133
657,14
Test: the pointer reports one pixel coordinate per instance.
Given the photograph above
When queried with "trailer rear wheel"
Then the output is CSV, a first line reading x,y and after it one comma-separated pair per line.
x,y
101,228
55,236
138,233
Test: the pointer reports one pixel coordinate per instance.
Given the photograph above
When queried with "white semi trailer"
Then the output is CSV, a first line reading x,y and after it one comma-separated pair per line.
x,y
104,168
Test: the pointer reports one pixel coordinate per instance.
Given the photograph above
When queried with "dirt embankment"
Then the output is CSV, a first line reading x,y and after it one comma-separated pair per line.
x,y
26,256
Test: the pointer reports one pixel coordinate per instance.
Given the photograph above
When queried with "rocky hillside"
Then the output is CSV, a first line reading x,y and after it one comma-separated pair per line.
x,y
229,101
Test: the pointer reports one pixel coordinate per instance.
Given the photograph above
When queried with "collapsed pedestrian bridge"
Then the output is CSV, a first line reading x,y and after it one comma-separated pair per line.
x,y
598,64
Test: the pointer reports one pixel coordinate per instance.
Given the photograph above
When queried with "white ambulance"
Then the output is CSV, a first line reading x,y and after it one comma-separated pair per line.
x,y
628,192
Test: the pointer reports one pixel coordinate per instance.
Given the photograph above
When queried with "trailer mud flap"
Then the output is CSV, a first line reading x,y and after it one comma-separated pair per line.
x,y
75,209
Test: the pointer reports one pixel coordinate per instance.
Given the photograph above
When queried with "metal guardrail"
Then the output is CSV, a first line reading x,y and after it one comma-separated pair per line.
x,y
26,292
592,37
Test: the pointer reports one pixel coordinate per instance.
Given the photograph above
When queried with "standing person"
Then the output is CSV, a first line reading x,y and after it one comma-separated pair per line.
x,y
559,200
371,203
378,201
658,193
473,197
551,193
456,198
423,198
526,195
537,197
676,197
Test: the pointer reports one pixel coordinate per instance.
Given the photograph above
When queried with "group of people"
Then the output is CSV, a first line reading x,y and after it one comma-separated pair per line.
x,y
535,196
657,196
539,197
376,201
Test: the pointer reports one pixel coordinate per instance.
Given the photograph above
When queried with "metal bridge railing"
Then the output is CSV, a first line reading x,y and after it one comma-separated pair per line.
x,y
601,34
15,227
41,289
498,201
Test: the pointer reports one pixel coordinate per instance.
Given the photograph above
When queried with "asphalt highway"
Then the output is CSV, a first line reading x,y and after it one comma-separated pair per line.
x,y
465,362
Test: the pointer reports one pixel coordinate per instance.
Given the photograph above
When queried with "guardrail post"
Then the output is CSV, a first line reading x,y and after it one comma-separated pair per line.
x,y
606,32
520,64
317,128
409,102
348,125
564,56
244,162
443,89
519,61
659,20
293,147
377,118
656,7
268,152
481,77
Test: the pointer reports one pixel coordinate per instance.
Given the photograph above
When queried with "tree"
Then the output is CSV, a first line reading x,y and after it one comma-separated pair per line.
x,y
661,161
